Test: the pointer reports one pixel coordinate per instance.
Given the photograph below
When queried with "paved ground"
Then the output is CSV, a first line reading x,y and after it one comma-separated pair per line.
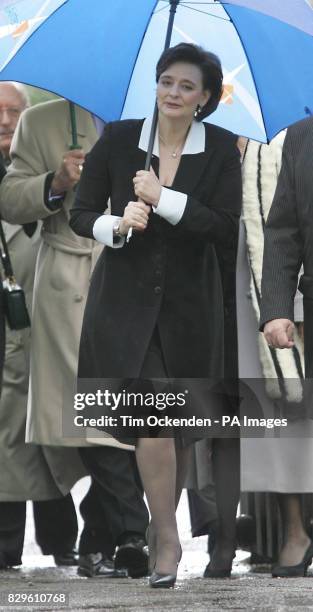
x,y
246,590
193,594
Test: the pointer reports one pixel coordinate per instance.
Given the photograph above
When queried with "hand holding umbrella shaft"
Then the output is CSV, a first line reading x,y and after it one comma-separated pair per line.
x,y
148,189
136,216
68,174
147,186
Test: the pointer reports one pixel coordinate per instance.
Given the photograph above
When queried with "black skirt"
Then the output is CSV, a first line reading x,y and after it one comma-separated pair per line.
x,y
156,405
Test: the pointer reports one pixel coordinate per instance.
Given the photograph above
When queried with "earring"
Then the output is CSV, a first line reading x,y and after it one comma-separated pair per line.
x,y
198,111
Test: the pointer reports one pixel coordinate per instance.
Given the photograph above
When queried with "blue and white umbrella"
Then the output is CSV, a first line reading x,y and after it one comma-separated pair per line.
x,y
101,54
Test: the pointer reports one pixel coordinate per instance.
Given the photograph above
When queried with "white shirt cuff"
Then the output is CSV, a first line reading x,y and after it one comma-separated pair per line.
x,y
171,205
103,231
52,198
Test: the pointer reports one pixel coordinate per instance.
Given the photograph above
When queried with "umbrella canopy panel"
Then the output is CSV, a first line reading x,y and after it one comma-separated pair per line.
x,y
293,12
85,52
210,27
260,57
281,59
18,21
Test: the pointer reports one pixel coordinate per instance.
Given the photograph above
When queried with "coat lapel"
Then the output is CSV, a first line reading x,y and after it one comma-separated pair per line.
x,y
192,163
190,170
10,230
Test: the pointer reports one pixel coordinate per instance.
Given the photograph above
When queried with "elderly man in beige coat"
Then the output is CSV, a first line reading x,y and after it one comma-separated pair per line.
x,y
26,470
39,185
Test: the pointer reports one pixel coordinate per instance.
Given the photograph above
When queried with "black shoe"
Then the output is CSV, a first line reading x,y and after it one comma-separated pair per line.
x,y
294,571
99,565
256,559
66,559
216,573
133,555
162,581
245,532
3,561
222,572
6,562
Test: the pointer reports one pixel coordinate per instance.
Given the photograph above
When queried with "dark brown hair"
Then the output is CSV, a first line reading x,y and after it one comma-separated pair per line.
x,y
208,63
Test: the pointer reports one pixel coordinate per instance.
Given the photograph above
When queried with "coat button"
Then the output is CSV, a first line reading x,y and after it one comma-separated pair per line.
x,y
78,298
157,290
158,272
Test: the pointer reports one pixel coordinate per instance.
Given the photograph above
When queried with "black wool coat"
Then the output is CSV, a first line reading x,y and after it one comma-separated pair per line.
x,y
289,237
166,276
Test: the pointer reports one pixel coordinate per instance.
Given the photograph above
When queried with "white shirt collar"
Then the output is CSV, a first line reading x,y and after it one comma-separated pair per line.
x,y
195,141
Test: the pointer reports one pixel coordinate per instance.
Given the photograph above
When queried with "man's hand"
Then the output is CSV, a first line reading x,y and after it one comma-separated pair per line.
x,y
279,333
136,215
147,186
69,172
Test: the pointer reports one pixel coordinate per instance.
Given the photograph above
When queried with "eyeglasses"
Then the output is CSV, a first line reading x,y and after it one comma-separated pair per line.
x,y
11,111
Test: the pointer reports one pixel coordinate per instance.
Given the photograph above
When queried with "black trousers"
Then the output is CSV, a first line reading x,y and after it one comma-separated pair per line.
x,y
114,507
55,527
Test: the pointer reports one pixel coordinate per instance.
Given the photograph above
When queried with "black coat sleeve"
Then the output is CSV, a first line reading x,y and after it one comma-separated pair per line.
x,y
2,171
282,245
94,187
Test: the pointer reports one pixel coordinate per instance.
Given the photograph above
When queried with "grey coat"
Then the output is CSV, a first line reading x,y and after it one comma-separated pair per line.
x,y
64,266
27,471
289,237
277,462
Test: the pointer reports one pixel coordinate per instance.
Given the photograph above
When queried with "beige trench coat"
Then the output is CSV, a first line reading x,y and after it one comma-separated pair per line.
x,y
64,266
27,471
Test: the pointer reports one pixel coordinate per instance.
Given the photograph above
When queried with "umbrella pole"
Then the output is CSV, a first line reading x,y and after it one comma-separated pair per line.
x,y
174,4
74,144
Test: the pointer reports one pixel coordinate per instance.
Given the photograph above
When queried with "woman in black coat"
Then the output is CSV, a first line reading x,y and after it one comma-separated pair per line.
x,y
155,306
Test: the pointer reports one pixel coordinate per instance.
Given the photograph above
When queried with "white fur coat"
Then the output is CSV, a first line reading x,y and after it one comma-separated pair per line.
x,y
261,168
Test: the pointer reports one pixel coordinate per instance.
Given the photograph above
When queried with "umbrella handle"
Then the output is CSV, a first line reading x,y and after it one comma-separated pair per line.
x,y
173,7
149,154
152,137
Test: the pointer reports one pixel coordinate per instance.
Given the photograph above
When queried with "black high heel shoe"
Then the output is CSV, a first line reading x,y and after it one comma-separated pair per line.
x,y
225,572
216,573
294,571
164,581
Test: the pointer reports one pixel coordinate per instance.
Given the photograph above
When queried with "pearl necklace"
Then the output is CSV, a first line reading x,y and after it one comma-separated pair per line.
x,y
177,152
